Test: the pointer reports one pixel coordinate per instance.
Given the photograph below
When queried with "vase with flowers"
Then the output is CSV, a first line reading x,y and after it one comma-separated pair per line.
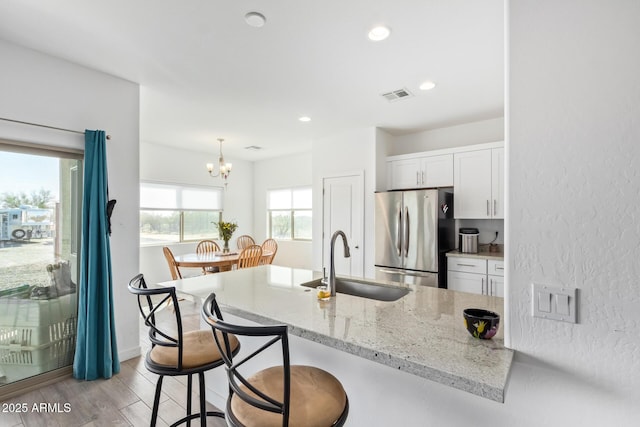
x,y
225,230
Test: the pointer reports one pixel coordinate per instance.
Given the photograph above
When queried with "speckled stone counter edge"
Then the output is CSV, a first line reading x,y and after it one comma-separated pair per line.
x,y
445,378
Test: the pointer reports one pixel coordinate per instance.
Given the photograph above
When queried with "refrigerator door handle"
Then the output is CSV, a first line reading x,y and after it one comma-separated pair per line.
x,y
406,231
399,233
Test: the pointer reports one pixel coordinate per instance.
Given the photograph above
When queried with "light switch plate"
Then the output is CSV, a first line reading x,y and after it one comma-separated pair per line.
x,y
554,302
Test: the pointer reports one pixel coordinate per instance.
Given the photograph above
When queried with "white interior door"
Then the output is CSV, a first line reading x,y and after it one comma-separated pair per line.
x,y
343,209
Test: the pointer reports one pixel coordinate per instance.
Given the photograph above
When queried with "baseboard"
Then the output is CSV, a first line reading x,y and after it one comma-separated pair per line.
x,y
129,354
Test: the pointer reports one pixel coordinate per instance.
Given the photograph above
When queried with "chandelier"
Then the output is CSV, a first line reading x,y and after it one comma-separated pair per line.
x,y
223,170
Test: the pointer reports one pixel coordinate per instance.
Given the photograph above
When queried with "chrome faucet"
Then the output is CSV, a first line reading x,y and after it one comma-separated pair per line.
x,y
332,268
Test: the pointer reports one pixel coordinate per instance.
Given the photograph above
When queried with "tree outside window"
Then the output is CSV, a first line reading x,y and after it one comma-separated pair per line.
x,y
289,213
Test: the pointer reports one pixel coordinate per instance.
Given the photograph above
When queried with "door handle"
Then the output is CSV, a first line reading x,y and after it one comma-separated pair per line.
x,y
495,207
488,211
482,287
399,233
417,178
406,231
422,177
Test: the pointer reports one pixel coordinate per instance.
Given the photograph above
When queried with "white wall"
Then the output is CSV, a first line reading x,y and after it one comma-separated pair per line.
x,y
271,174
350,151
384,142
173,165
41,89
574,192
572,153
448,137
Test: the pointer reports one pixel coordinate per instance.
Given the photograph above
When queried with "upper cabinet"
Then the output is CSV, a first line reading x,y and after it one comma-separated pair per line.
x,y
476,173
497,182
420,171
479,184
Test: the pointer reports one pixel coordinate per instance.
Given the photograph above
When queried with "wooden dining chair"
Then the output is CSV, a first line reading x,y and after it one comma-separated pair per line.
x,y
245,241
250,256
208,246
269,245
173,267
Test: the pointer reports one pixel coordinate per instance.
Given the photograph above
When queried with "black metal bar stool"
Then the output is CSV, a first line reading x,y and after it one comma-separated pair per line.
x,y
174,352
285,395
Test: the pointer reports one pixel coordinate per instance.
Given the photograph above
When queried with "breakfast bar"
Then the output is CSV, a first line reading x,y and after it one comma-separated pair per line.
x,y
422,333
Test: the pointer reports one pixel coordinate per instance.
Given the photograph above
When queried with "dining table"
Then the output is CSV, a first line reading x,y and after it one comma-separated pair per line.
x,y
223,260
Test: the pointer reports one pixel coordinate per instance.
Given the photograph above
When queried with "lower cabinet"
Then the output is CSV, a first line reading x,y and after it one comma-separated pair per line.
x,y
466,282
495,277
496,286
476,275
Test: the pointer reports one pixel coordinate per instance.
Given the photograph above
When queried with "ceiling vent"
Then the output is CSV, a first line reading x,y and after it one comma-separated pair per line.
x,y
253,148
397,94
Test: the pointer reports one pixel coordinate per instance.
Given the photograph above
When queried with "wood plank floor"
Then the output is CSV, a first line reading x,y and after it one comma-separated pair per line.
x,y
124,400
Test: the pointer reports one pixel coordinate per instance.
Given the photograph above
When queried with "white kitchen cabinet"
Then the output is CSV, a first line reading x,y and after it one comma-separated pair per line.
x,y
479,184
466,282
437,171
476,275
404,174
495,277
496,286
495,267
421,172
497,182
467,265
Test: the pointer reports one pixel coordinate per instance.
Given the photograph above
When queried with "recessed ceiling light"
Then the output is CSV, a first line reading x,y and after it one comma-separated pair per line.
x,y
255,19
304,119
428,85
379,33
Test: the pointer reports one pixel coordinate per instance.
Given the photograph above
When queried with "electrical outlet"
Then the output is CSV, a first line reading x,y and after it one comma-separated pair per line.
x,y
555,303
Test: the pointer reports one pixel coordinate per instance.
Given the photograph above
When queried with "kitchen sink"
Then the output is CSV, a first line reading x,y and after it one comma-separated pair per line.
x,y
364,289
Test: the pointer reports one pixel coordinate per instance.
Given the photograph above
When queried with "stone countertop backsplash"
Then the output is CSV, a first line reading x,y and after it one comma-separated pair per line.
x,y
422,333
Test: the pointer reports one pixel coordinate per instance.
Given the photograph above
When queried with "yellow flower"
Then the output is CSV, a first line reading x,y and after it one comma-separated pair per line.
x,y
480,326
226,229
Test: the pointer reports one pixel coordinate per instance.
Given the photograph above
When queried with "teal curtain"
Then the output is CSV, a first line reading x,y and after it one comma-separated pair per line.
x,y
96,350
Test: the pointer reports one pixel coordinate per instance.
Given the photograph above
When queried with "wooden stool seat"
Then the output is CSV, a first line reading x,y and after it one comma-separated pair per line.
x,y
200,349
317,398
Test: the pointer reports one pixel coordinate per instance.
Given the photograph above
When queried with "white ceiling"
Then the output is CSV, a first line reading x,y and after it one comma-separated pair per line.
x,y
204,73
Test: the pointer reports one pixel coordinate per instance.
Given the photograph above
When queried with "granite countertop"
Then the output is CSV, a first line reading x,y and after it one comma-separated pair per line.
x,y
422,333
482,253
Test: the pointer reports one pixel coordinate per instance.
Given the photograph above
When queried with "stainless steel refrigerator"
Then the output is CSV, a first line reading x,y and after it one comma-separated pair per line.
x,y
413,231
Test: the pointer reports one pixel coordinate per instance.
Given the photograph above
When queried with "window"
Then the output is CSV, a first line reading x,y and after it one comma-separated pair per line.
x,y
171,213
289,213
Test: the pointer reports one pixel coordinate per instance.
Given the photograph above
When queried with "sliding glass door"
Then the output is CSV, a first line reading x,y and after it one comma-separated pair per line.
x,y
40,198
